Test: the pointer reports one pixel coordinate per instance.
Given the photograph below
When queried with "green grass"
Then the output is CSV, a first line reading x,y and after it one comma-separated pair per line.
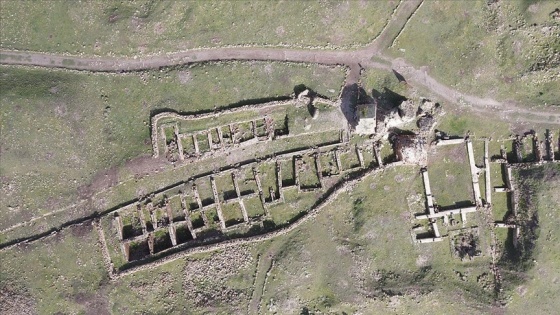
x,y
226,190
378,80
450,176
149,27
62,272
232,213
223,121
328,164
540,261
295,204
267,176
59,128
254,207
455,123
356,255
498,51
308,177
349,160
349,254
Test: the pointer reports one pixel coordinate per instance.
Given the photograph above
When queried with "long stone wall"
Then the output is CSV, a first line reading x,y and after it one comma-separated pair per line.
x,y
315,153
310,215
155,120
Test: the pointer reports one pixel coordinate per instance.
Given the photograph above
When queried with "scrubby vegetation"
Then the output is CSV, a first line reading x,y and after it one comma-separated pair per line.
x,y
151,27
502,49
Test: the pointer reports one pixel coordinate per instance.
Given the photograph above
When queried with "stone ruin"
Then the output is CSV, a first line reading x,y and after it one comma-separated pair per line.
x,y
528,148
410,148
306,98
407,111
195,213
424,113
465,245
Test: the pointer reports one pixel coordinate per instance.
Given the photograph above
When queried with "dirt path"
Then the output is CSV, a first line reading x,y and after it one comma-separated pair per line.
x,y
506,111
395,24
356,60
173,59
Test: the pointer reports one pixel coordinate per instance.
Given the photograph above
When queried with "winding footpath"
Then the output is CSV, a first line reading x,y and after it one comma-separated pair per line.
x,y
355,60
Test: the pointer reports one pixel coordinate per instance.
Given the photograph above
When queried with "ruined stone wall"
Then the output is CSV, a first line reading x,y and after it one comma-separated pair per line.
x,y
172,115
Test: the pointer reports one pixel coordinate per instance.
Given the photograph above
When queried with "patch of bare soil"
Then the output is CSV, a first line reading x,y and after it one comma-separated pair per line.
x,y
15,299
144,165
94,304
82,229
102,180
205,280
184,76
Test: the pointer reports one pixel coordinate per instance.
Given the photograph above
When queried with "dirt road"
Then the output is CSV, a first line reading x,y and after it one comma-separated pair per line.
x,y
356,60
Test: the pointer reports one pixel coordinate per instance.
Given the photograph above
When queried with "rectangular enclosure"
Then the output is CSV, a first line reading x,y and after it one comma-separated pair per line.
x,y
205,192
226,135
169,133
308,173
254,207
197,220
146,214
216,140
182,233
246,181
232,213
450,176
242,132
280,125
261,127
202,141
162,240
212,217
225,187
176,209
137,250
269,183
131,224
349,159
287,172
187,143
328,163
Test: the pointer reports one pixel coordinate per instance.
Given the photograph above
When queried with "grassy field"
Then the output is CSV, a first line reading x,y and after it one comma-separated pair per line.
x,y
375,81
450,176
221,282
372,266
150,27
540,259
60,130
505,50
63,272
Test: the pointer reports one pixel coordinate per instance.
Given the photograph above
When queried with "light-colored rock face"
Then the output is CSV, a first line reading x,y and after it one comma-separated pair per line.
x,y
427,107
366,126
366,117
407,111
414,154
411,149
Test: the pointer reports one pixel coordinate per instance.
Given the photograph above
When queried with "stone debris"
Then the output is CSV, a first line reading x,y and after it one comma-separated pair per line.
x,y
410,148
426,123
407,111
